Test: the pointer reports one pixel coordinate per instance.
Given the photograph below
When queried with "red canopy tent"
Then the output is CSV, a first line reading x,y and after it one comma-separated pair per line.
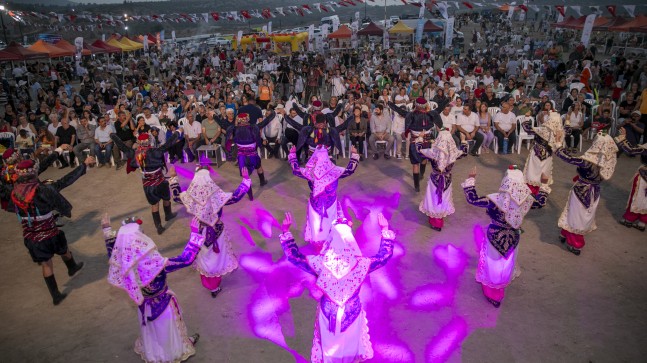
x,y
93,49
342,32
8,57
371,29
640,29
24,53
576,23
64,44
565,22
637,22
613,22
153,39
430,27
52,51
107,47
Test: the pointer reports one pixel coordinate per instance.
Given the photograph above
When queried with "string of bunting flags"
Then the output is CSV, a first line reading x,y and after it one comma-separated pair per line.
x,y
88,21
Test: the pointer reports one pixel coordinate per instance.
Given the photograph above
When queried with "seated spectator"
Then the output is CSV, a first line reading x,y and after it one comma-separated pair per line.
x,y
602,121
634,128
468,125
380,131
575,119
626,107
103,143
65,138
25,142
485,129
175,150
85,136
357,129
45,143
272,133
192,131
505,123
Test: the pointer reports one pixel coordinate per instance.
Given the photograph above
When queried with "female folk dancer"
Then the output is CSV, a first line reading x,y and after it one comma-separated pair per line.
x,y
35,202
152,162
548,138
636,213
322,176
506,208
137,267
205,200
341,328
438,202
596,165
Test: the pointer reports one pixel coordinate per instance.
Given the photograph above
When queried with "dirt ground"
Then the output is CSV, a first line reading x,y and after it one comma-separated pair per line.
x,y
424,306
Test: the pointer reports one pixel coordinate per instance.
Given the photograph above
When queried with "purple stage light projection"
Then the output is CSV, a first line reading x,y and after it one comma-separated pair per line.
x,y
422,323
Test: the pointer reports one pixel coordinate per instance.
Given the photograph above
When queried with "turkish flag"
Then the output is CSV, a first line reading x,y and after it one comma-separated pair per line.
x,y
215,16
560,8
612,10
468,5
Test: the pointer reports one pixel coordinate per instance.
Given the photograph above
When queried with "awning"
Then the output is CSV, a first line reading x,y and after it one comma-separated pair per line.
x,y
64,44
131,43
8,57
430,27
636,23
106,47
400,28
371,29
124,47
342,32
24,53
613,22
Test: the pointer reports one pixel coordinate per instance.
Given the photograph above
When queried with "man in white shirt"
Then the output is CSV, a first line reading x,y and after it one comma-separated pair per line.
x,y
192,132
273,133
505,123
150,119
102,142
449,123
468,126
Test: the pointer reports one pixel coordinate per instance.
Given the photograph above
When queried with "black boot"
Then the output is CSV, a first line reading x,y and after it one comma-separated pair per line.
x,y
72,266
158,222
168,212
261,176
416,181
250,194
423,167
57,296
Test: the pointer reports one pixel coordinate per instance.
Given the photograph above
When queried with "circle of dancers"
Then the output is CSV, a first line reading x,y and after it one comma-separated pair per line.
x,y
339,266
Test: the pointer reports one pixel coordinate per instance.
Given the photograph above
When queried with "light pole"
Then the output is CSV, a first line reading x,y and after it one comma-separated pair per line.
x,y
4,30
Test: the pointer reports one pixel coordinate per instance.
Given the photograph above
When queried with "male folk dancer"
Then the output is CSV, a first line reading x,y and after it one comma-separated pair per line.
x,y
636,213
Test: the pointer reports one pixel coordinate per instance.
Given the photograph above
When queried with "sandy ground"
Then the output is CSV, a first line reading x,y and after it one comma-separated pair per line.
x,y
423,306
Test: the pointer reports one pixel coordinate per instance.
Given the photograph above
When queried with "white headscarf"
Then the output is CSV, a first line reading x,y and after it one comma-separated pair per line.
x,y
550,128
135,261
204,198
603,154
514,198
443,150
340,266
321,171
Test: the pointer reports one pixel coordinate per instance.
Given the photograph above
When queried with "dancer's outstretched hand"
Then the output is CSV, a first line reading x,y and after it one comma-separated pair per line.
x,y
287,222
89,161
622,131
245,173
172,172
544,178
472,173
293,150
353,150
382,222
105,220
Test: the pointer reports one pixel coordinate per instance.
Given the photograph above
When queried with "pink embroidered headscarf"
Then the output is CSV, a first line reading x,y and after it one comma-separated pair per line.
x,y
321,171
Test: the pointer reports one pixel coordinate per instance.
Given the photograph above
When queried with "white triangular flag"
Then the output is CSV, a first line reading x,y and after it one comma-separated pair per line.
x,y
577,10
631,9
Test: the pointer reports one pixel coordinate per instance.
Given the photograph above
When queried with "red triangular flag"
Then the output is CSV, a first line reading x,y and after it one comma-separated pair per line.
x,y
560,8
612,10
323,8
245,14
524,8
404,2
468,5
215,16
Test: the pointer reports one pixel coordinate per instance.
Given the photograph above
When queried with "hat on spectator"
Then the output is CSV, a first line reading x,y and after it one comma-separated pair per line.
x,y
636,112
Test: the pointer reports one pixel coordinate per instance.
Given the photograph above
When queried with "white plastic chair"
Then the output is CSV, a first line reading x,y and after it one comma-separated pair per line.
x,y
578,85
432,105
493,111
522,134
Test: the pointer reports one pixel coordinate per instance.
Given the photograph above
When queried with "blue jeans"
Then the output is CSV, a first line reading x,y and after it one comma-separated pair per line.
x,y
103,155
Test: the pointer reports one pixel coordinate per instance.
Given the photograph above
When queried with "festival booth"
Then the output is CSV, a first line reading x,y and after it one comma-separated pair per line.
x,y
106,47
372,32
400,34
8,57
116,43
638,22
133,44
51,50
615,21
64,44
256,41
430,27
23,53
341,38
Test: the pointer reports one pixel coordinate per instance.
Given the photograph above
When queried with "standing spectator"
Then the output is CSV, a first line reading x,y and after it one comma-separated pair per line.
x,y
273,132
85,134
265,92
313,82
103,143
